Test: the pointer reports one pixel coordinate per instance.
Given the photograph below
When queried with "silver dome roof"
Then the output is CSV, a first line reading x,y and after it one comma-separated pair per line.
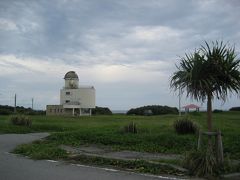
x,y
71,75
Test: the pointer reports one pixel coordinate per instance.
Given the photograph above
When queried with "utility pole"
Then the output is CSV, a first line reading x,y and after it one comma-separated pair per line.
x,y
15,104
32,103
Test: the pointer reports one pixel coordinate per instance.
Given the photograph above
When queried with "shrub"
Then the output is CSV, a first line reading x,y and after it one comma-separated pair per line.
x,y
131,128
153,110
217,111
101,111
185,126
41,150
234,109
5,112
201,162
21,121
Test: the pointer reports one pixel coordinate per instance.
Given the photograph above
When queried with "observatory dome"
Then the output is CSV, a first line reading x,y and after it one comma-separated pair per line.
x,y
71,75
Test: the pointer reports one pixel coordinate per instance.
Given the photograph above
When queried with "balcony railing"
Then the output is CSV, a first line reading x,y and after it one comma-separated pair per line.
x,y
73,103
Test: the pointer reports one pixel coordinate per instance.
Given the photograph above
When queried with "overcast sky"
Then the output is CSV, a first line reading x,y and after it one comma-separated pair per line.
x,y
127,49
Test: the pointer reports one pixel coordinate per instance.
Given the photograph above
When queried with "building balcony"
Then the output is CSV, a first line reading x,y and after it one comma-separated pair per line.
x,y
71,105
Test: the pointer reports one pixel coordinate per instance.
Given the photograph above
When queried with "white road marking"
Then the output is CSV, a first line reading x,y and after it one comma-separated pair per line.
x,y
112,170
107,169
115,170
52,161
161,177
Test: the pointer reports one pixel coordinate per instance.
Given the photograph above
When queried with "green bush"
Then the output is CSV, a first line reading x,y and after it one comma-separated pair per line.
x,y
185,126
153,110
5,112
101,111
217,111
201,163
41,150
234,109
21,121
131,128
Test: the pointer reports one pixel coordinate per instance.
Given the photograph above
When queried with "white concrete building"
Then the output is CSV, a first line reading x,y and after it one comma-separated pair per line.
x,y
75,100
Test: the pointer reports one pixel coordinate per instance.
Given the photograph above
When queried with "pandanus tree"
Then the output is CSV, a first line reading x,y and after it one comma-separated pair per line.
x,y
211,71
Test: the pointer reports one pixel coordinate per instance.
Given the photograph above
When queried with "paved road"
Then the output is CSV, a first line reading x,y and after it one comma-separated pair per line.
x,y
14,167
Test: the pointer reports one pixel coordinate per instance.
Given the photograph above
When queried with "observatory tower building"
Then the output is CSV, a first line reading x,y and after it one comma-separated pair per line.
x,y
75,100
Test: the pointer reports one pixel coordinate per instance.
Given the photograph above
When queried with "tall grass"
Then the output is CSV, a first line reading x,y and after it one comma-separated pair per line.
x,y
201,162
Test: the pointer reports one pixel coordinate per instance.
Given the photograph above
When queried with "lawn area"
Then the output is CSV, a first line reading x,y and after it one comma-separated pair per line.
x,y
155,133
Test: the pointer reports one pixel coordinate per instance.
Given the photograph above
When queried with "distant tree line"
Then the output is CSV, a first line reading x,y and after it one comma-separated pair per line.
x,y
153,110
101,111
234,109
231,109
7,110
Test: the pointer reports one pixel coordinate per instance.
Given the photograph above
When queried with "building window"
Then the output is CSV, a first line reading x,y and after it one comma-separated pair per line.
x,y
67,93
67,101
50,110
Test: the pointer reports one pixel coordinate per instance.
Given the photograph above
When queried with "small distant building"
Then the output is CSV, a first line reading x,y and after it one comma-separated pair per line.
x,y
148,112
75,100
191,106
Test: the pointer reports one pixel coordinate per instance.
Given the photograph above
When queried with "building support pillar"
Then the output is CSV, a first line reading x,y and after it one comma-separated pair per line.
x,y
73,112
80,111
90,112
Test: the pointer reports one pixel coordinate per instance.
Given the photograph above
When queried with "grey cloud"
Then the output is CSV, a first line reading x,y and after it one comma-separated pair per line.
x,y
86,33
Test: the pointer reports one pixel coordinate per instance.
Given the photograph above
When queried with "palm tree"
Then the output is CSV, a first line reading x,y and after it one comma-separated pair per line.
x,y
211,71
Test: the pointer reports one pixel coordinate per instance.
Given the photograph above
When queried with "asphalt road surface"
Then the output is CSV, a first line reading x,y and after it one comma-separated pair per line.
x,y
15,167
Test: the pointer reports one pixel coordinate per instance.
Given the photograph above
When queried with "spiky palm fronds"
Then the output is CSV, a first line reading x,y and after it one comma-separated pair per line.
x,y
211,70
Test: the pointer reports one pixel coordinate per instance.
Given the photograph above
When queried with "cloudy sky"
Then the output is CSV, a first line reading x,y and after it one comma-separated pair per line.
x,y
127,49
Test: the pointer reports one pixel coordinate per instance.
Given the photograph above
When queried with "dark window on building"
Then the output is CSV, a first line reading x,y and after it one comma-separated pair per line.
x,y
50,110
67,101
67,93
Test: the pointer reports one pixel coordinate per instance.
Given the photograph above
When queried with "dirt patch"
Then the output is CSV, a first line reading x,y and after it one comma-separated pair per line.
x,y
125,155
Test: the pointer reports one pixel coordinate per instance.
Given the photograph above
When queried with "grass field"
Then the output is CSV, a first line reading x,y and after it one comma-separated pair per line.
x,y
155,133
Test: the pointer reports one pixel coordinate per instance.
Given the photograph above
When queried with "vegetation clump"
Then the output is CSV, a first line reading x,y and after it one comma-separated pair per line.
x,y
130,165
101,111
153,110
201,163
7,110
185,126
131,128
217,111
21,121
234,109
41,150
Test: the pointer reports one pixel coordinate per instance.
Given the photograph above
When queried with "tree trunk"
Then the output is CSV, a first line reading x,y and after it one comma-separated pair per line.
x,y
209,113
209,119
